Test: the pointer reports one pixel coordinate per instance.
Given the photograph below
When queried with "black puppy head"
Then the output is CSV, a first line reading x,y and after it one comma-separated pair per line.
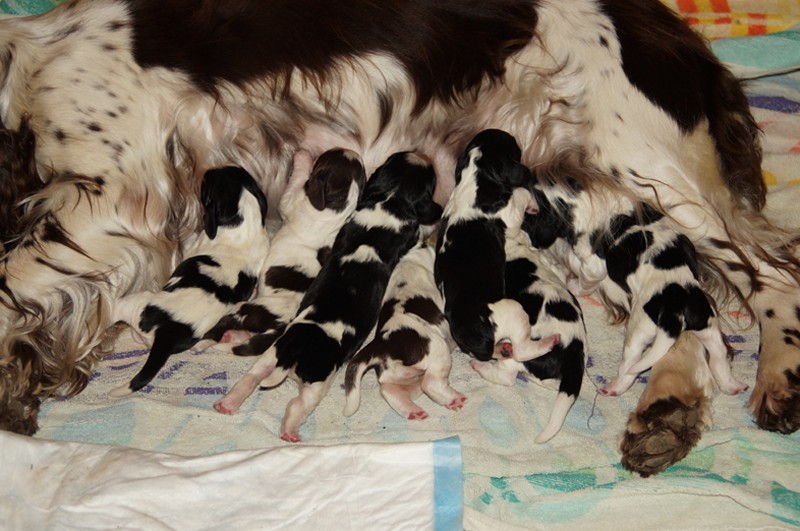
x,y
405,184
329,183
220,193
553,220
498,157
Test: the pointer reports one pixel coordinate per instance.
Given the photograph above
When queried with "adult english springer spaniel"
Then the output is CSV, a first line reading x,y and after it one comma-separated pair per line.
x,y
140,97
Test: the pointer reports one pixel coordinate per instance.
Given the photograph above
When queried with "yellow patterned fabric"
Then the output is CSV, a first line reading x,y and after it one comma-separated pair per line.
x,y
716,19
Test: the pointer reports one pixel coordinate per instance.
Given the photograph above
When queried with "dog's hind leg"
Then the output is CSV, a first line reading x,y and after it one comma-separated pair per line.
x,y
244,387
435,382
640,333
298,408
718,361
398,396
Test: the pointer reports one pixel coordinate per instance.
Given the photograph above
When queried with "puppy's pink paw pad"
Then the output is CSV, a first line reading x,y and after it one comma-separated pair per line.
x,y
607,390
417,415
290,437
224,408
457,403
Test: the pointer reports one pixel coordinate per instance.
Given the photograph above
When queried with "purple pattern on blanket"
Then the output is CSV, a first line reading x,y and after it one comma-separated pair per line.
x,y
774,103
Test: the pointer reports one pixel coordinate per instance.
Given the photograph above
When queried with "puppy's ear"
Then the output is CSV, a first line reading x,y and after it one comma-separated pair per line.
x,y
428,212
519,175
329,184
463,162
209,210
251,186
315,190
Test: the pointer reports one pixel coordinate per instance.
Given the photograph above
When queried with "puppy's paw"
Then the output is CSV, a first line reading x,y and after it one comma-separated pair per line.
x,y
662,434
224,407
608,390
290,437
733,388
418,414
235,337
457,403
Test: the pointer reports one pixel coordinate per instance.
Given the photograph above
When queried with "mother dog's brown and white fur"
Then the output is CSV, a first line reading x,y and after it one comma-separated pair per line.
x,y
129,108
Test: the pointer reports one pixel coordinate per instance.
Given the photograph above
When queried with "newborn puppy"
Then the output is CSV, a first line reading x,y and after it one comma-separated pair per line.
x,y
313,209
487,206
222,270
341,307
533,281
411,351
653,269
643,268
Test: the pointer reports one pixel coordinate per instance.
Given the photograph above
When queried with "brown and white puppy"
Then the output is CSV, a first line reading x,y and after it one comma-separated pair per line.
x,y
313,208
340,308
411,351
538,285
221,271
486,208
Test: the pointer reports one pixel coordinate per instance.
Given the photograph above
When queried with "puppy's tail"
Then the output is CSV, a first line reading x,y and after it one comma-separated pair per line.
x,y
170,338
364,360
560,409
276,375
572,368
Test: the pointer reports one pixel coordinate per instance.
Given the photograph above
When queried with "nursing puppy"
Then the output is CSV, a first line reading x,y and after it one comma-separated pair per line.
x,y
313,209
222,270
341,307
412,348
536,283
643,268
653,269
487,206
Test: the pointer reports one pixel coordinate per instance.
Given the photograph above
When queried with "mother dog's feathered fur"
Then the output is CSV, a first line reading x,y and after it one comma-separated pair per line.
x,y
132,100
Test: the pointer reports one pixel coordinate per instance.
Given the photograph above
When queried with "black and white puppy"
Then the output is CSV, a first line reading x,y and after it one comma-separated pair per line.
x,y
341,307
539,286
643,268
487,206
411,351
313,207
221,271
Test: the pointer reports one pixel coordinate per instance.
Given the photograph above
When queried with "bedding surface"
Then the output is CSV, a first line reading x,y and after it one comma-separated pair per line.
x,y
491,475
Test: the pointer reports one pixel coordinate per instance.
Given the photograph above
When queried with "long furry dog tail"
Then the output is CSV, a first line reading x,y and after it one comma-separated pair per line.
x,y
365,359
568,390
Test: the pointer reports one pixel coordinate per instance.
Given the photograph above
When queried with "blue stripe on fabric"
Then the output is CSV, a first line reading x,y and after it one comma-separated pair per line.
x,y
448,485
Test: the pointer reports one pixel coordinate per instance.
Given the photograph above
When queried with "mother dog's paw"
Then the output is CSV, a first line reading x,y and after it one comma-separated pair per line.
x,y
662,434
775,401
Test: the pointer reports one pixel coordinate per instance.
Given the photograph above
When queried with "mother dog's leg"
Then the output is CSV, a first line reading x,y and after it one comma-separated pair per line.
x,y
673,410
98,229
